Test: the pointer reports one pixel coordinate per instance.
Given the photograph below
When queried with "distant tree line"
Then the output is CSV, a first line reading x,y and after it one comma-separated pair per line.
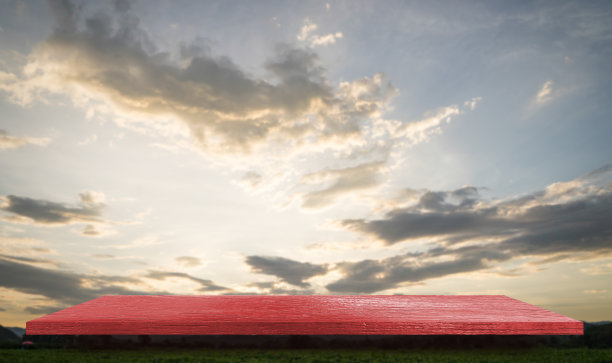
x,y
598,335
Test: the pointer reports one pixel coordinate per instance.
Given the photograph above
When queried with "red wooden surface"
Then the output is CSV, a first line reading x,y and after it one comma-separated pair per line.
x,y
305,315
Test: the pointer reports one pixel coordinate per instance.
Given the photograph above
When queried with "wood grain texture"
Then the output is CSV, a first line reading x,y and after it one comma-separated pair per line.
x,y
305,315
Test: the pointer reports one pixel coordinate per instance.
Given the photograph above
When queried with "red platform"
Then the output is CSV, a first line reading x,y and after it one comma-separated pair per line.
x,y
305,315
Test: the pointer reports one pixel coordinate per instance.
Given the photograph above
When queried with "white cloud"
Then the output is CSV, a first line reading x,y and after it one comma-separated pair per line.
x,y
545,93
333,183
472,103
324,39
280,126
422,130
306,34
11,142
307,28
598,269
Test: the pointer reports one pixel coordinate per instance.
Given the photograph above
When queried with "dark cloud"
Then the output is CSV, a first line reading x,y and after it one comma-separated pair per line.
x,y
604,170
226,108
581,225
106,279
290,271
566,221
43,211
66,15
436,213
200,46
529,217
43,309
291,109
68,288
375,275
122,6
272,288
28,259
61,286
205,285
460,199
405,225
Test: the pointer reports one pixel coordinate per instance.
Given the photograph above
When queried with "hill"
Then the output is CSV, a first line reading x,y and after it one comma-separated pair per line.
x,y
7,337
20,332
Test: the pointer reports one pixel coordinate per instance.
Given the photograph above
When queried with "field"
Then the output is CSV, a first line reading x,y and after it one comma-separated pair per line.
x,y
541,354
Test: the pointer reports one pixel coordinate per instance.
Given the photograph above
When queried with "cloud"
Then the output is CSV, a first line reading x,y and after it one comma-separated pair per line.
x,y
343,181
579,207
566,221
40,211
11,142
68,288
43,309
422,130
307,28
29,260
188,261
325,39
90,230
112,58
290,271
315,40
472,103
66,15
109,65
122,6
251,180
96,230
378,152
205,285
24,249
603,269
439,213
546,93
276,288
369,276
227,110
65,287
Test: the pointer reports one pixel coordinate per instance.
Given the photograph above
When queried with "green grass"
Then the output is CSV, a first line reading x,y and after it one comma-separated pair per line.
x,y
543,354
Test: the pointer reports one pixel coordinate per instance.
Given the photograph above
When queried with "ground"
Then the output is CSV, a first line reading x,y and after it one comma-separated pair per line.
x,y
542,354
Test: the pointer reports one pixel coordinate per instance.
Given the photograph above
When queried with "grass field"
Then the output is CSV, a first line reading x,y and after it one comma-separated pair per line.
x,y
544,354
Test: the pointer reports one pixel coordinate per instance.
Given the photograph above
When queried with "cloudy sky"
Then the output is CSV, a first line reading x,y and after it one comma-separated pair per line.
x,y
341,147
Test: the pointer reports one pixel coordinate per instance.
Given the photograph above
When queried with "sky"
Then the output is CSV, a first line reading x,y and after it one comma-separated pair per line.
x,y
305,147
